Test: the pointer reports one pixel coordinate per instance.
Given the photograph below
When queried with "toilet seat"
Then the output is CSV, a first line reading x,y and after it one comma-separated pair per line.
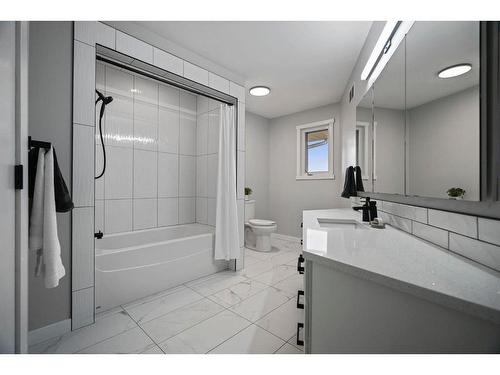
x,y
261,223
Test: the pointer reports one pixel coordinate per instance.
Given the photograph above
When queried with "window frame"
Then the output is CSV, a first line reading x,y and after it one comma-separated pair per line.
x,y
302,130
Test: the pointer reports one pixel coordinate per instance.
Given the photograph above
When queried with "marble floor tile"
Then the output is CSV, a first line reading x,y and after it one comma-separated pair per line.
x,y
153,350
249,260
282,321
261,255
291,285
252,340
71,342
238,292
283,258
214,283
143,311
260,304
174,322
205,336
288,349
276,274
132,341
293,342
256,269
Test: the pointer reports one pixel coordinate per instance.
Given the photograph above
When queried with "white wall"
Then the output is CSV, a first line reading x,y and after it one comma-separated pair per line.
x,y
287,196
257,162
444,145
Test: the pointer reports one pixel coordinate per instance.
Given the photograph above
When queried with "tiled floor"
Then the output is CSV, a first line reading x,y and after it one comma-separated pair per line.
x,y
250,311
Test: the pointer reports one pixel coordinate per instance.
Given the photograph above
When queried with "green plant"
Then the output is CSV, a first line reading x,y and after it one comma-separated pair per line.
x,y
248,191
455,192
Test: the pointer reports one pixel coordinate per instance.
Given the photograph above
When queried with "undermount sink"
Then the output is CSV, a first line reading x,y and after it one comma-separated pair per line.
x,y
340,224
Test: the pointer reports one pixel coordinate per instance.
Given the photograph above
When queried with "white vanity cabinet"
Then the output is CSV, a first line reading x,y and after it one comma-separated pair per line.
x,y
383,291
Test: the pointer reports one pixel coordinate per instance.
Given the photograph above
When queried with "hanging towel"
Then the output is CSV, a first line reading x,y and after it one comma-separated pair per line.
x,y
359,179
226,222
36,217
63,198
349,184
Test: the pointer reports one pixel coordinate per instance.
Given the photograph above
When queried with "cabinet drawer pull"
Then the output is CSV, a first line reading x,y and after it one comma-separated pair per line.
x,y
300,269
300,305
299,327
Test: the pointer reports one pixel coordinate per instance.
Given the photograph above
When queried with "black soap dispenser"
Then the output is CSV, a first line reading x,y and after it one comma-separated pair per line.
x,y
366,210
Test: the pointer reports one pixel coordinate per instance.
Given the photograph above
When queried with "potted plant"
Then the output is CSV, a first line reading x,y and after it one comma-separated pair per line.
x,y
248,192
456,193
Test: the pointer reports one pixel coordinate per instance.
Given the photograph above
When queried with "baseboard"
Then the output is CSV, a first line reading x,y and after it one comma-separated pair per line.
x,y
285,237
52,330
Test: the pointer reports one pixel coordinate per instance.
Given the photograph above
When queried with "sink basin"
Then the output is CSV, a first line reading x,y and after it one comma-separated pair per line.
x,y
340,224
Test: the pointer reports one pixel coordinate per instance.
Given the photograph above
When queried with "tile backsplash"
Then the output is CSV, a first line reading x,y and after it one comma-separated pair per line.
x,y
473,237
161,147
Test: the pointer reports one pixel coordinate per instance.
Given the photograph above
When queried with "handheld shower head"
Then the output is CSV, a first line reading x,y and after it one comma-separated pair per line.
x,y
105,99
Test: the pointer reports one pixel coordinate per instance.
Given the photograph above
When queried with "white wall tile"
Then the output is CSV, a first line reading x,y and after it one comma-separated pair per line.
x,y
201,210
217,82
118,123
489,230
145,213
187,176
195,73
241,221
481,252
92,32
145,126
432,234
188,134
237,91
83,84
212,166
168,175
83,165
202,105
211,211
396,221
463,224
169,97
145,90
99,183
168,130
213,104
241,126
168,211
99,216
82,309
145,174
134,47
406,211
118,215
118,177
168,61
240,175
119,83
202,134
213,131
201,176
187,103
82,269
187,210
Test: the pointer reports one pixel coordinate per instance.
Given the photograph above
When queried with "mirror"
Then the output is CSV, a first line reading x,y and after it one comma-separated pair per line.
x,y
442,113
425,127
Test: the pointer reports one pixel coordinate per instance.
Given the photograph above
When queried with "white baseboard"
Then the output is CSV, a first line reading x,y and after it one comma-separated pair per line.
x,y
285,237
52,330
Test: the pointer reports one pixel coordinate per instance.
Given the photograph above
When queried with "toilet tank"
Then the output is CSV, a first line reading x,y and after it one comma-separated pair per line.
x,y
249,210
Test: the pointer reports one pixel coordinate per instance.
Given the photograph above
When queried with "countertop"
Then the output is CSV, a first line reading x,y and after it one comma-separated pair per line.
x,y
403,262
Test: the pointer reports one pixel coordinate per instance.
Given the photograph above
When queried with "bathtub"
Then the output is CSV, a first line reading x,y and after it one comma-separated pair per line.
x,y
132,265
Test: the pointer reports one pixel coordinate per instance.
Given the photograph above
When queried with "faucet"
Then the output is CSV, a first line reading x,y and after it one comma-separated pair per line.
x,y
369,210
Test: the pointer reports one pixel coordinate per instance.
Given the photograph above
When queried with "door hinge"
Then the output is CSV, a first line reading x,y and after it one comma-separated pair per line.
x,y
18,177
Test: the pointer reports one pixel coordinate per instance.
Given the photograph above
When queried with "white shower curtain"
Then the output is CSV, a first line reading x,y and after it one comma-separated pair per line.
x,y
226,222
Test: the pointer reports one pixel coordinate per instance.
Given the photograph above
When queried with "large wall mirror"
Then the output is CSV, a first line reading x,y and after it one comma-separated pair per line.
x,y
425,115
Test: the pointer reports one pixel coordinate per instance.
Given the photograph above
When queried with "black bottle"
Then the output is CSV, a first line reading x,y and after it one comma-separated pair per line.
x,y
366,210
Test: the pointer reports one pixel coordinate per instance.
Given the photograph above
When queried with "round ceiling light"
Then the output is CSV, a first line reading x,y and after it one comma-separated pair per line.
x,y
454,71
260,91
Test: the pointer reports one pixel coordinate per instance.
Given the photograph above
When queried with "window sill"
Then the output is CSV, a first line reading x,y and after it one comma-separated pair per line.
x,y
317,177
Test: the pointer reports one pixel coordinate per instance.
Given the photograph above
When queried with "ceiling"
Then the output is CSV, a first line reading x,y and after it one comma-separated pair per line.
x,y
430,47
306,64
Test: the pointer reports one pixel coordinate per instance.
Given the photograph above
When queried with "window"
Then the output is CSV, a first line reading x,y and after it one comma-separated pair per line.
x,y
315,150
362,149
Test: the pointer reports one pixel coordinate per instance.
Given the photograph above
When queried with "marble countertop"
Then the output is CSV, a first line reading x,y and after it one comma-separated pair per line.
x,y
401,261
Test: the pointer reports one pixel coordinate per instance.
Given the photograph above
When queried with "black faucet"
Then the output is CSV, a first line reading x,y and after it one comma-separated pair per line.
x,y
369,210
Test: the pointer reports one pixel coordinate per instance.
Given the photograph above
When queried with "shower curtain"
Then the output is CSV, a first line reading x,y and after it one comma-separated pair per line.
x,y
226,222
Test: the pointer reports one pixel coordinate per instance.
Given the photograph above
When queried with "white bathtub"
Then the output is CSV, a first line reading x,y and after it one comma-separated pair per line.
x,y
133,265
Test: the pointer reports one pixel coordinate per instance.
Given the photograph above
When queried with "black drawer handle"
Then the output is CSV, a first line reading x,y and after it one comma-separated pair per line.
x,y
300,305
300,269
299,327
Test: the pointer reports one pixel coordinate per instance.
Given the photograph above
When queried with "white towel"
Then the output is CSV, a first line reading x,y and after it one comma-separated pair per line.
x,y
53,267
43,222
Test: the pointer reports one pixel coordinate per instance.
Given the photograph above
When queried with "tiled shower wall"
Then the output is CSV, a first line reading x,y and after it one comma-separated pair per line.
x,y
470,236
150,136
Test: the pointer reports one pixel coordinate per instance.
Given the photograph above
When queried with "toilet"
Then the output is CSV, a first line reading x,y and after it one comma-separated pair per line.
x,y
257,231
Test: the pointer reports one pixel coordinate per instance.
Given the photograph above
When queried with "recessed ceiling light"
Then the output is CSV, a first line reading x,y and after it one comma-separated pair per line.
x,y
260,91
454,71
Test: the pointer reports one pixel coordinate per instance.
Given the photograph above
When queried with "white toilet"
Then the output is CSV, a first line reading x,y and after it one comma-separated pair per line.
x,y
257,231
